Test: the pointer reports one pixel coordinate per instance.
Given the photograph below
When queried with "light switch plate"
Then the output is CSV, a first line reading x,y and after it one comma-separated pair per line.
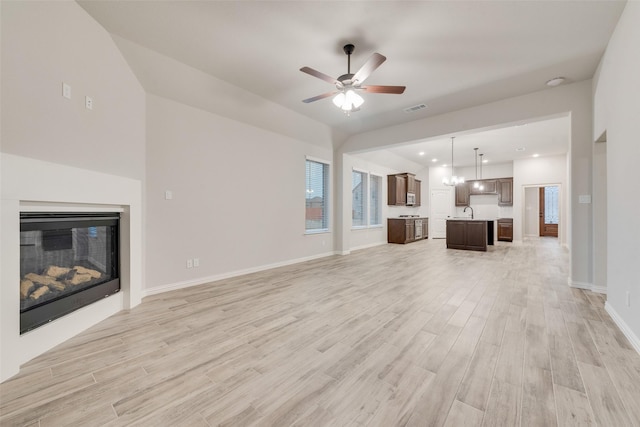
x,y
585,198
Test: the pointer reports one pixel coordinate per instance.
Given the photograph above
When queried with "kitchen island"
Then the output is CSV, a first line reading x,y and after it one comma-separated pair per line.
x,y
469,234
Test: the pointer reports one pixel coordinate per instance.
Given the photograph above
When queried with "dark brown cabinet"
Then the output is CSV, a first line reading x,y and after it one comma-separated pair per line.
x,y
469,235
396,190
489,186
399,185
505,229
503,187
462,194
505,192
403,230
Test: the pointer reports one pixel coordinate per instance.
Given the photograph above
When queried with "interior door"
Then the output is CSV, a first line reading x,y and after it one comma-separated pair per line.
x,y
549,213
440,210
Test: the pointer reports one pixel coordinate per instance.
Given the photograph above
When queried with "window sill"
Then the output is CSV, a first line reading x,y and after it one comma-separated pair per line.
x,y
312,232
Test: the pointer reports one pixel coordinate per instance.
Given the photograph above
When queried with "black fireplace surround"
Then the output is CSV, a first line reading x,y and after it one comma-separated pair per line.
x,y
67,261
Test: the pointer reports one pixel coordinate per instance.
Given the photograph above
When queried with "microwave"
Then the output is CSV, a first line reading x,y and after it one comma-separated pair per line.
x,y
411,199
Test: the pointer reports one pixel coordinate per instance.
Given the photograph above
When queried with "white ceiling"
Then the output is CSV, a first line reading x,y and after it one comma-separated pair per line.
x,y
541,138
449,54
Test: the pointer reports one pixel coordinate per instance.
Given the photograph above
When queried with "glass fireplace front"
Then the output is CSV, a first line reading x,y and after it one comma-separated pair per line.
x,y
67,261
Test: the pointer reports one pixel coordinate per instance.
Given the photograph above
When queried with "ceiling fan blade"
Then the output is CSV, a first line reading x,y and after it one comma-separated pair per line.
x,y
316,98
369,67
384,89
319,75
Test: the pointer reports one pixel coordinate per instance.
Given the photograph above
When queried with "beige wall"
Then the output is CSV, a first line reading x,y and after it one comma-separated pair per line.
x,y
616,111
573,100
238,197
45,44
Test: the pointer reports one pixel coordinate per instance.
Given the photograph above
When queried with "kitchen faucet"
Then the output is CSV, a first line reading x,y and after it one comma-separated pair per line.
x,y
468,207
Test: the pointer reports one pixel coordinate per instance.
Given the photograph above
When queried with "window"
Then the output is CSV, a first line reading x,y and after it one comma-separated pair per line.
x,y
358,199
317,196
551,215
375,201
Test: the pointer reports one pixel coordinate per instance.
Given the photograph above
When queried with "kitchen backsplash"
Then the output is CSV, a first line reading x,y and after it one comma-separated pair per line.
x,y
485,206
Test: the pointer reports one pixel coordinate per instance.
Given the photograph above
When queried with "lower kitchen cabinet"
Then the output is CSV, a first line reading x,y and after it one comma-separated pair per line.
x,y
469,235
404,230
505,229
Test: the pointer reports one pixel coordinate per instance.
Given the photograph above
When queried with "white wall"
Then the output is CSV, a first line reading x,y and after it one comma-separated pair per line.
x,y
616,110
539,172
573,100
486,206
238,197
371,236
45,44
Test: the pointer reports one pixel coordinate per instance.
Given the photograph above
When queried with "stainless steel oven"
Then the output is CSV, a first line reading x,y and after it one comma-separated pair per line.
x,y
418,228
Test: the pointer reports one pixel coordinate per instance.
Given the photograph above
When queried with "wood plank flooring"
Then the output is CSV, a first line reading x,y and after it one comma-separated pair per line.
x,y
396,335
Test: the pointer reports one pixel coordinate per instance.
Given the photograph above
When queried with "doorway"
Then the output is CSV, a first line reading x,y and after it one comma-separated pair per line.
x,y
549,214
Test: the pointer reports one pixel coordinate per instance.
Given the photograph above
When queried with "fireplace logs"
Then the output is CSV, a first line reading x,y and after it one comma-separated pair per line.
x,y
54,281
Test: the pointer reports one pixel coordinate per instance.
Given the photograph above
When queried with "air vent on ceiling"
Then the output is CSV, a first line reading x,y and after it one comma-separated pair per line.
x,y
415,108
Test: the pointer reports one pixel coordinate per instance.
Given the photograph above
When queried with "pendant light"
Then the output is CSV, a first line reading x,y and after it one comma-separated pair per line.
x,y
476,184
454,180
481,186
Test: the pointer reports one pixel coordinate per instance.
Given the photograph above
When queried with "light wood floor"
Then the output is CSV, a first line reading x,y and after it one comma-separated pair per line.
x,y
412,335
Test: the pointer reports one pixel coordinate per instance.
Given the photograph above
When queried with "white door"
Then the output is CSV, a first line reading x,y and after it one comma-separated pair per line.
x,y
440,210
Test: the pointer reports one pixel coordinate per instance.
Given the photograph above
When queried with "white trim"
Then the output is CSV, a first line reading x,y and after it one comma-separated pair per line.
x,y
317,231
318,160
626,330
367,246
209,279
344,252
579,285
587,286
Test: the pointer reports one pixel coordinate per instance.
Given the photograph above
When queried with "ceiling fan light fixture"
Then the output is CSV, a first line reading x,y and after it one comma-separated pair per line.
x,y
348,101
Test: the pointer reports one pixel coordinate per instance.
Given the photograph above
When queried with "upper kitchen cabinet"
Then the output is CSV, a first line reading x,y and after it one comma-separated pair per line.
x,y
505,192
489,186
396,190
403,189
462,194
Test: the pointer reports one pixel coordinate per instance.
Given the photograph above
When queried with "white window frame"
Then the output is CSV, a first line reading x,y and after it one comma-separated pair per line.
x,y
365,195
380,197
328,193
368,223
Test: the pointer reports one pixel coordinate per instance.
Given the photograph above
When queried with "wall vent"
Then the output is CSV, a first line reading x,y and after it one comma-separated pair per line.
x,y
415,108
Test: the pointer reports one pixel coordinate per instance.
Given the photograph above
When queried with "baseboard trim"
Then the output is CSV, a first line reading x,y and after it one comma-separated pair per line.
x,y
209,279
599,289
587,286
626,330
370,245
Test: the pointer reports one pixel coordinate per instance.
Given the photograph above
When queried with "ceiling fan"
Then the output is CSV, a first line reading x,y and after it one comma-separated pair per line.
x,y
347,84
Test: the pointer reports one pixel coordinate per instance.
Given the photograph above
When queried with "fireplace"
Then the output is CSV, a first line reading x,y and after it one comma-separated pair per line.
x,y
67,261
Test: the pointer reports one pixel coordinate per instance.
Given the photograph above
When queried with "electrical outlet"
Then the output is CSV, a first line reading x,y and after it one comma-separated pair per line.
x,y
189,263
168,195
196,262
66,90
628,299
88,103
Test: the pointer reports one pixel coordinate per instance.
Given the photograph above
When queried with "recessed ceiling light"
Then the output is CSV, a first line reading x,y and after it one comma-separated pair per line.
x,y
485,161
421,153
520,149
434,160
444,166
536,155
556,81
